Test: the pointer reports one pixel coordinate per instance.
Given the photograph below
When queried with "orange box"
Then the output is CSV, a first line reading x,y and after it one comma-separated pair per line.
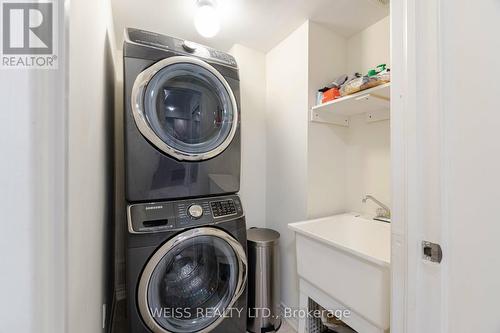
x,y
330,95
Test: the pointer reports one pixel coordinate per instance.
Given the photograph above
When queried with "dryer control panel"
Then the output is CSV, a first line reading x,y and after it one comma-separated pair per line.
x,y
159,41
182,214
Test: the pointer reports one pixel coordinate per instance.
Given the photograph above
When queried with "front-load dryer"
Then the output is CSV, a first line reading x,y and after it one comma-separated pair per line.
x,y
187,266
182,119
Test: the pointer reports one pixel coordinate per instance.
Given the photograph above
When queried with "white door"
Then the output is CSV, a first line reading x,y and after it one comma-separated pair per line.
x,y
446,166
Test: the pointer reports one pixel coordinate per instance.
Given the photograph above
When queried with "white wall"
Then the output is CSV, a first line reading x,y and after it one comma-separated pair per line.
x,y
252,66
344,164
287,103
368,152
326,144
368,161
90,158
369,47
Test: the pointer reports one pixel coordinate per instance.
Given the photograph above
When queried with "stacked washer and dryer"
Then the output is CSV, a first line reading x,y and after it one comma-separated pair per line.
x,y
186,241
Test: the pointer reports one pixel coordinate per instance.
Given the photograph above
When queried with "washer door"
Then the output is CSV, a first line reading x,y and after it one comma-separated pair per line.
x,y
191,281
185,108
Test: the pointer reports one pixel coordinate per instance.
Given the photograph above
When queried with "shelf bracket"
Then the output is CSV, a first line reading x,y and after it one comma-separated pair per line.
x,y
380,115
328,118
387,99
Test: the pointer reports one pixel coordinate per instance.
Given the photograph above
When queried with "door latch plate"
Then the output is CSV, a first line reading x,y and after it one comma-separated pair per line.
x,y
431,252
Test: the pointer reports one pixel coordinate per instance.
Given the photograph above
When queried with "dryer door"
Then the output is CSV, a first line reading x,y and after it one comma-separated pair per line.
x,y
192,281
185,108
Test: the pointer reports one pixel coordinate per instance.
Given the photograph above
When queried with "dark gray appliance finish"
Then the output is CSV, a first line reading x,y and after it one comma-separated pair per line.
x,y
157,44
152,173
180,277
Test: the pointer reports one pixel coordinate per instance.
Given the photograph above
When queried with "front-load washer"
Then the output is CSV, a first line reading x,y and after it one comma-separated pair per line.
x,y
182,119
187,266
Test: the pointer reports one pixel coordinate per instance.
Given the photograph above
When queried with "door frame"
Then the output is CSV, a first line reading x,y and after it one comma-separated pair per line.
x,y
418,150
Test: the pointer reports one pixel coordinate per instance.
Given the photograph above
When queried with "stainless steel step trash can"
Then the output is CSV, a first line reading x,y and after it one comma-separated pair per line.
x,y
264,313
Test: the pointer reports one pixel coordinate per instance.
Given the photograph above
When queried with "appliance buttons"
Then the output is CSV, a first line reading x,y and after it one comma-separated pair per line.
x,y
195,211
223,208
189,46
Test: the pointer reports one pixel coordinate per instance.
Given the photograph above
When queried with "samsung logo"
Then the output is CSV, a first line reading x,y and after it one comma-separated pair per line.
x,y
154,207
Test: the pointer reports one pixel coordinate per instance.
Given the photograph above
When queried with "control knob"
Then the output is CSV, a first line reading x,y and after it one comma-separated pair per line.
x,y
195,211
189,46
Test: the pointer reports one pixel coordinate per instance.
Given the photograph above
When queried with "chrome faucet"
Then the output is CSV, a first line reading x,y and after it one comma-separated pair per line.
x,y
383,213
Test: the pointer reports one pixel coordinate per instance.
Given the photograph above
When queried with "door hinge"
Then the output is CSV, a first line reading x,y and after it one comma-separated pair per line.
x,y
431,252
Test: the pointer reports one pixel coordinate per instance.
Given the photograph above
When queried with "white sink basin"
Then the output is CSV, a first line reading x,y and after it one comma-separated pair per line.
x,y
348,258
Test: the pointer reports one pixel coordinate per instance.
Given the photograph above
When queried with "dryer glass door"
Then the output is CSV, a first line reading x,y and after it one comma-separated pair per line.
x,y
192,285
185,108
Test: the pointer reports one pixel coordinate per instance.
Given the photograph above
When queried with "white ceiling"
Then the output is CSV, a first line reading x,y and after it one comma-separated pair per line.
x,y
258,24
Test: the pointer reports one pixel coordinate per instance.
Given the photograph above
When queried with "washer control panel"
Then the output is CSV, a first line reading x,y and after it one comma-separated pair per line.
x,y
195,211
192,212
223,208
174,215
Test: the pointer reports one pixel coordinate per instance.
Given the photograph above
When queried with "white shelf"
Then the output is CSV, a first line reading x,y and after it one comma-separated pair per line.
x,y
374,102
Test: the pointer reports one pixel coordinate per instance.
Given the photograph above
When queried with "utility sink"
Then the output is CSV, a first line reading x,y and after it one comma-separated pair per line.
x,y
347,257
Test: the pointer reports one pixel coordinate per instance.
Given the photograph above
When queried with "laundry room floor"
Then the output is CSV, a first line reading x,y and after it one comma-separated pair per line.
x,y
286,328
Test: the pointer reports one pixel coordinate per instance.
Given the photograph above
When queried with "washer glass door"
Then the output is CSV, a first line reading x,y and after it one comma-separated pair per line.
x,y
185,108
192,284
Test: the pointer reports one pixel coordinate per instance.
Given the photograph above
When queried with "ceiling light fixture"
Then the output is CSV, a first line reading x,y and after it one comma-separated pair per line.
x,y
206,18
